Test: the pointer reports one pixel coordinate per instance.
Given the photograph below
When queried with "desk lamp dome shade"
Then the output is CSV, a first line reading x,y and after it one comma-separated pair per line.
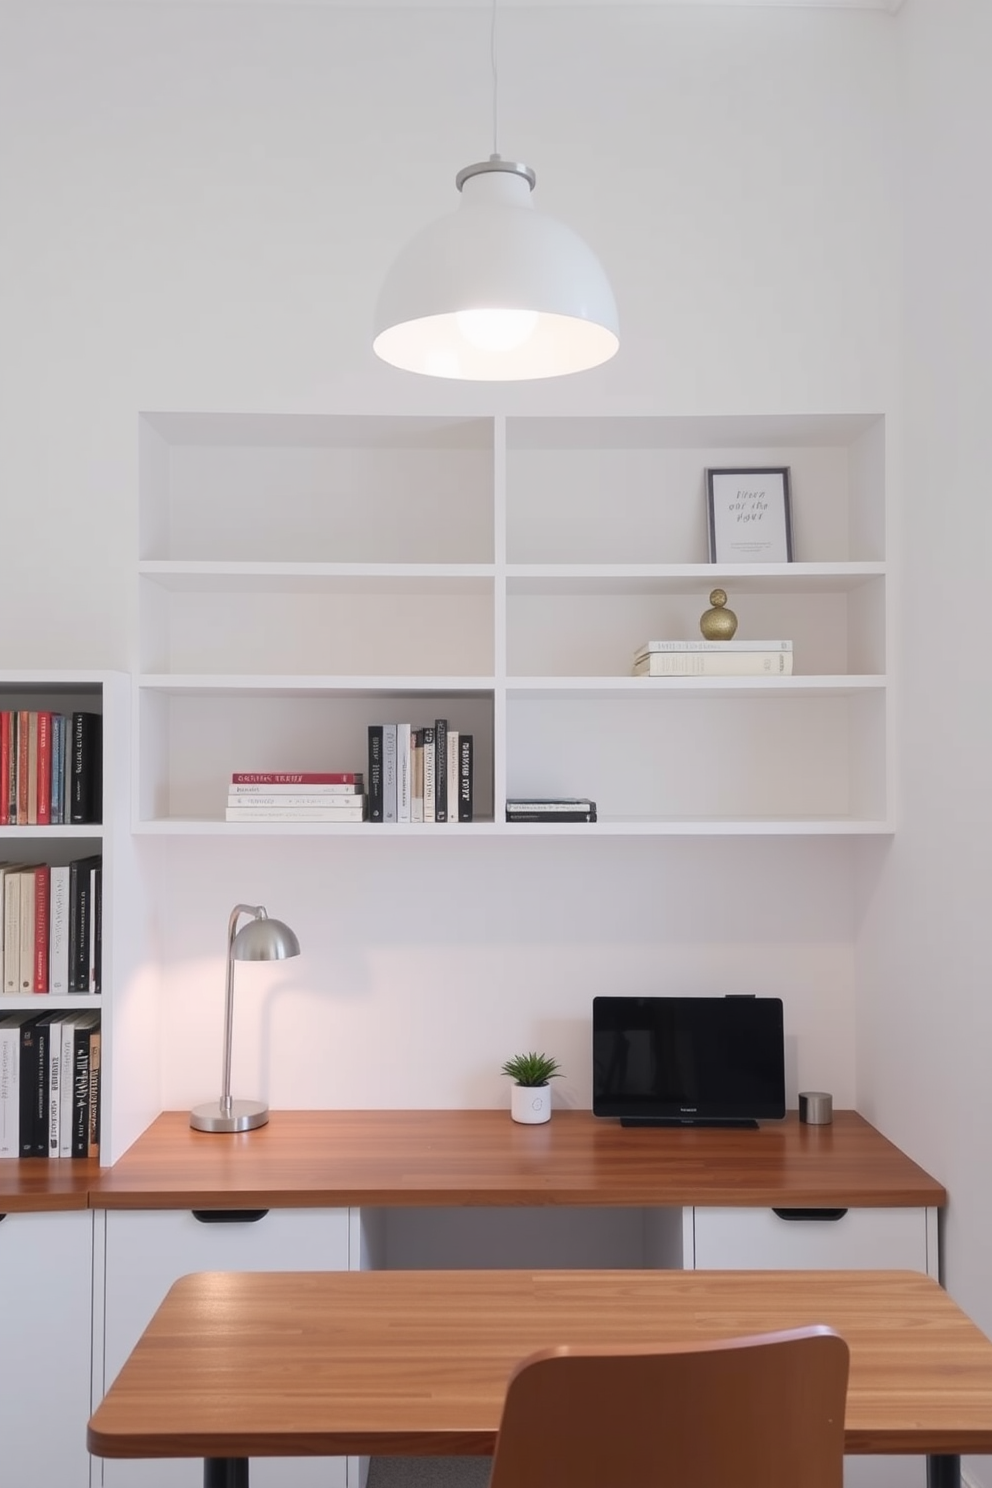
x,y
496,291
260,939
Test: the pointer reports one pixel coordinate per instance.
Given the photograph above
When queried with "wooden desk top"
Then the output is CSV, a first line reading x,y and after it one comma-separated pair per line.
x,y
272,1364
332,1158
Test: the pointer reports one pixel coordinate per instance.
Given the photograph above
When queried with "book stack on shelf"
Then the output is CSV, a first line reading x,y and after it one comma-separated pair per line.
x,y
420,774
550,809
51,927
713,659
50,768
50,1085
296,796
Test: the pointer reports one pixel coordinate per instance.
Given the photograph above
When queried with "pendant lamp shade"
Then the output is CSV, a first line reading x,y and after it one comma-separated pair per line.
x,y
496,291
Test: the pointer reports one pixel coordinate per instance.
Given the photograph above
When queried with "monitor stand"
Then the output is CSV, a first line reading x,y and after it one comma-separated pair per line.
x,y
746,1122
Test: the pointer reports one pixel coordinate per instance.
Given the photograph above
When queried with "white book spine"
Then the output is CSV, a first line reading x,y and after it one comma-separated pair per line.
x,y
10,1087
429,774
651,647
58,930
452,777
67,1041
403,776
704,664
288,792
295,803
12,932
54,1086
25,955
271,814
389,772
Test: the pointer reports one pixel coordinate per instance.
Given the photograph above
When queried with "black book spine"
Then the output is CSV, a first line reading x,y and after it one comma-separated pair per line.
x,y
440,769
81,1092
97,967
465,764
551,816
80,909
375,772
85,794
28,1092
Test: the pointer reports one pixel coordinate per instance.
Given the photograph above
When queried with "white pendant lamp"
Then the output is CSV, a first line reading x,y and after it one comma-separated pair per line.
x,y
496,291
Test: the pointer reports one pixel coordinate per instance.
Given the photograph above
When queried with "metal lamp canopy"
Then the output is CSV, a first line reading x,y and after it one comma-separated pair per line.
x,y
261,939
496,291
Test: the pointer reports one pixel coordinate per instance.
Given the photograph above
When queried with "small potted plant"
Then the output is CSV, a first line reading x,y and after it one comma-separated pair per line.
x,y
530,1098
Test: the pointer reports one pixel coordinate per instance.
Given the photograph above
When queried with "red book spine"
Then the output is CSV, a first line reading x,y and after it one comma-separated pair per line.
x,y
44,769
304,777
42,892
5,769
22,768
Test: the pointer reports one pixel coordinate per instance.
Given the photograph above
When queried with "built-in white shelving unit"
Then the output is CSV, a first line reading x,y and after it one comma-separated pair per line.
x,y
304,576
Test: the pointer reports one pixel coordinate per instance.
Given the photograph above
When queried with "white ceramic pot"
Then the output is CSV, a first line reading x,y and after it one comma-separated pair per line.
x,y
530,1103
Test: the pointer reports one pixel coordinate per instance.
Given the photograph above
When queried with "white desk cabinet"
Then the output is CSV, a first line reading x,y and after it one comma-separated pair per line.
x,y
810,1239
46,1263
147,1250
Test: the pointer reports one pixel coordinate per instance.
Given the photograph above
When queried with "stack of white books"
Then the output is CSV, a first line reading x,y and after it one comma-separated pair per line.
x,y
296,796
713,659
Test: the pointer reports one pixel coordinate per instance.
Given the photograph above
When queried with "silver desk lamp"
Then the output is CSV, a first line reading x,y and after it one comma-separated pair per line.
x,y
261,939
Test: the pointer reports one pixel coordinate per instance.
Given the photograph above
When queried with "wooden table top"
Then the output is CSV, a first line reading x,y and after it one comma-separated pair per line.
x,y
407,1362
332,1158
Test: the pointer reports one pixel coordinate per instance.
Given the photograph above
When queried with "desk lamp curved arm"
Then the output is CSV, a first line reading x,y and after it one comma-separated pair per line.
x,y
261,939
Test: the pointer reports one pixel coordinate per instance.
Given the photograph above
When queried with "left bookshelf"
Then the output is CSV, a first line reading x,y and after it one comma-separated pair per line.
x,y
94,854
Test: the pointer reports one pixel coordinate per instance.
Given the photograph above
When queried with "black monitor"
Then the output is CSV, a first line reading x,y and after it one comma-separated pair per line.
x,y
688,1061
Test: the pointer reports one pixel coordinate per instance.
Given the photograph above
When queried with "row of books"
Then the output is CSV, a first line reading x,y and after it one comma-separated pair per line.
x,y
51,926
288,796
550,809
50,768
420,774
713,659
50,1084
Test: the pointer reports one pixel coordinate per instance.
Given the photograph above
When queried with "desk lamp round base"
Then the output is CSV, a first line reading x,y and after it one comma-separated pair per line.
x,y
244,1115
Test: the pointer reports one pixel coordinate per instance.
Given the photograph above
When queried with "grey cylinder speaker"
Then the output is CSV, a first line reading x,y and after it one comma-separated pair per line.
x,y
816,1107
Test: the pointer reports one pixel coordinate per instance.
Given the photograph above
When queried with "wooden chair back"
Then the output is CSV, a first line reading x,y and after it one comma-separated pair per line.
x,y
761,1412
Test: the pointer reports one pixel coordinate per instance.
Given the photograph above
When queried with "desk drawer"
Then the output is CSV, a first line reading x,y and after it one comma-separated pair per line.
x,y
810,1240
147,1250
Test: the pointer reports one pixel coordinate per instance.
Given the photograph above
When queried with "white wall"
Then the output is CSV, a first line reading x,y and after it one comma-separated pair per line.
x,y
925,1010
198,202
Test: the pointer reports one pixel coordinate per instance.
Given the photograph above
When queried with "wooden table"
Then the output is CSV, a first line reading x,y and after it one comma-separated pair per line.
x,y
365,1158
234,1366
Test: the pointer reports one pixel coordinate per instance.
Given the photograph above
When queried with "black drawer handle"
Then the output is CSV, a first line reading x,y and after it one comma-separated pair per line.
x,y
229,1216
796,1214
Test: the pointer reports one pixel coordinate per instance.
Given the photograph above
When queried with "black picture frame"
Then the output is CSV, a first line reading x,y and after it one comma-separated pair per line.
x,y
749,514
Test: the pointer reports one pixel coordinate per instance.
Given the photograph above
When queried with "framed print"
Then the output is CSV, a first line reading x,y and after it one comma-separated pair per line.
x,y
749,515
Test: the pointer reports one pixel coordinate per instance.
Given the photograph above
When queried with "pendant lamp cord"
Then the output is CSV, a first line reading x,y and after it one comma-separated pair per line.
x,y
492,58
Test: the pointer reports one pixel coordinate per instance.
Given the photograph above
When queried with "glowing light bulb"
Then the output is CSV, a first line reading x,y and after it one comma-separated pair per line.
x,y
497,330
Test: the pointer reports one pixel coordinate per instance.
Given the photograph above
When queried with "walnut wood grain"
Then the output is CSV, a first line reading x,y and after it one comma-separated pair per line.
x,y
331,1158
41,1184
273,1364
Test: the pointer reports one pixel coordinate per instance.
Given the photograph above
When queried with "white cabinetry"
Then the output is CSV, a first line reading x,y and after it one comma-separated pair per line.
x,y
46,1265
146,1251
811,1240
301,578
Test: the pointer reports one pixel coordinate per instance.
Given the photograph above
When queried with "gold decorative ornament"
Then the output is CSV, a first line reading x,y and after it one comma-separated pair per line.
x,y
718,623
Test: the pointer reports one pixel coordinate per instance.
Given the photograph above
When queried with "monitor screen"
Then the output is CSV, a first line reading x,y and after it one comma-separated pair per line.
x,y
688,1061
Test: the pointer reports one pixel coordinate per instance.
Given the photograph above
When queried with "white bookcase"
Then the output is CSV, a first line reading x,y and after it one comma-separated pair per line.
x,y
129,1087
302,577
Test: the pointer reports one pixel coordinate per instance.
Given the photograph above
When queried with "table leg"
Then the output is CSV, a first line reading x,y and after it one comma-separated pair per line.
x,y
232,1472
943,1471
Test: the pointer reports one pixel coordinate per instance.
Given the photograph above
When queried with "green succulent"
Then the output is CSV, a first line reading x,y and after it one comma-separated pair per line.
x,y
531,1069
